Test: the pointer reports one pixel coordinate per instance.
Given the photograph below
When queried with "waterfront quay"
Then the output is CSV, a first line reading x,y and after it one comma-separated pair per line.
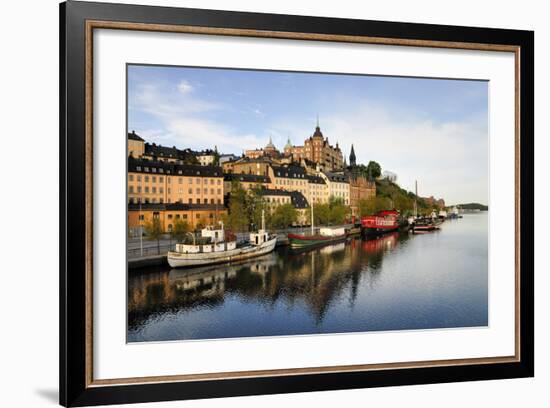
x,y
398,281
144,253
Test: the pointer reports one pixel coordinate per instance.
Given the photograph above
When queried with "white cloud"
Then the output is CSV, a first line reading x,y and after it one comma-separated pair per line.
x,y
185,87
183,116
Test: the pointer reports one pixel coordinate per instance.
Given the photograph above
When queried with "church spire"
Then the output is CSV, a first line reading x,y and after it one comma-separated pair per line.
x,y
352,158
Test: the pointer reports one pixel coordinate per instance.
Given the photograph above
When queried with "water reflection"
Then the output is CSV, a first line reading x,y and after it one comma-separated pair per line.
x,y
394,282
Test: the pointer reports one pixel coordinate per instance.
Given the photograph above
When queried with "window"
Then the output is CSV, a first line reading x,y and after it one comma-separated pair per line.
x,y
211,181
131,189
198,190
154,190
219,182
169,190
161,179
219,201
190,191
184,216
177,216
146,179
180,180
168,180
141,217
131,177
198,216
154,179
138,168
211,191
161,190
146,189
205,191
198,200
139,189
219,190
190,201
211,201
138,178
198,180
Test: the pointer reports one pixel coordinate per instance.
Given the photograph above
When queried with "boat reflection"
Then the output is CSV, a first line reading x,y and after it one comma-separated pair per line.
x,y
310,277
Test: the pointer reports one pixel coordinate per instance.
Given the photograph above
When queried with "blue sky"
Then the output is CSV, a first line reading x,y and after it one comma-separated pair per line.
x,y
432,130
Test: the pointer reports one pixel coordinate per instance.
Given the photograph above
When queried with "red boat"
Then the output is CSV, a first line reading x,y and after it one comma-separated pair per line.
x,y
381,223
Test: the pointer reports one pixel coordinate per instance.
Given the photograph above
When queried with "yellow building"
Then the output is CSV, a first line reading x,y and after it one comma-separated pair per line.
x,y
338,185
290,178
195,215
246,165
318,192
158,182
247,181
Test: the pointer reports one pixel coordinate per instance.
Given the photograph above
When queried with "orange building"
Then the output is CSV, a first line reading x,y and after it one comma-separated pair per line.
x,y
196,215
159,182
317,149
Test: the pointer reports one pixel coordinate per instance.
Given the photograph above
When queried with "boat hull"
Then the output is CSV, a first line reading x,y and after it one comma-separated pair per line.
x,y
376,232
303,241
181,260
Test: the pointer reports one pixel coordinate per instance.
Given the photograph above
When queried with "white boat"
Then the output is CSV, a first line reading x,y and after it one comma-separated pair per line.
x,y
214,248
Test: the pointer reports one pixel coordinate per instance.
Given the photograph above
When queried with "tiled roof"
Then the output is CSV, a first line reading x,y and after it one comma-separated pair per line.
x,y
158,167
252,178
133,136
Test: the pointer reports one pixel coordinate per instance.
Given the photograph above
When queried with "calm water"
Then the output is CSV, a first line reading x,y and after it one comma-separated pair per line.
x,y
397,282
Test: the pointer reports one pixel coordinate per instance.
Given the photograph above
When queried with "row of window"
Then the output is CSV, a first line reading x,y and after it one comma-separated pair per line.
x,y
154,200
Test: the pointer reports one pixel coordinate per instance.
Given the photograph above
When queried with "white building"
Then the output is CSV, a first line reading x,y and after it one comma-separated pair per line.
x,y
389,175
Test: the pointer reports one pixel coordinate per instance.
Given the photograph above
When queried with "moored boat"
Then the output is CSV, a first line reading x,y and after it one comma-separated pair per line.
x,y
215,246
325,236
382,222
423,225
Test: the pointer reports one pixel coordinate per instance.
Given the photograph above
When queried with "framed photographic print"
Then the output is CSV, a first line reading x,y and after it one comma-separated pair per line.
x,y
256,203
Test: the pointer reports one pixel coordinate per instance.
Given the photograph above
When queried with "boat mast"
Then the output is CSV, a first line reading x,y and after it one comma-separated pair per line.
x,y
312,217
263,221
415,197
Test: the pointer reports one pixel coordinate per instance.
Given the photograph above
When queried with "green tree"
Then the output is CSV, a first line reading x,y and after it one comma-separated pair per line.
x,y
255,204
373,170
372,205
153,231
180,230
321,214
284,215
238,219
338,210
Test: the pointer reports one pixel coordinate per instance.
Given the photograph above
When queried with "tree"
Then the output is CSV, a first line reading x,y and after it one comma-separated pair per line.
x,y
372,205
373,170
180,230
321,214
237,219
255,204
338,210
153,231
284,215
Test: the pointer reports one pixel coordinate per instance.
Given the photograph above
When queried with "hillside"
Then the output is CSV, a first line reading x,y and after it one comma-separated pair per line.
x,y
390,195
473,206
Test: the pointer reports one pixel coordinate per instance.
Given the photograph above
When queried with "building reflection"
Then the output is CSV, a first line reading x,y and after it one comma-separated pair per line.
x,y
313,277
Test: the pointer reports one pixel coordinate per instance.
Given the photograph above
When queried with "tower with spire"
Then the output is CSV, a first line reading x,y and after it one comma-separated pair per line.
x,y
352,158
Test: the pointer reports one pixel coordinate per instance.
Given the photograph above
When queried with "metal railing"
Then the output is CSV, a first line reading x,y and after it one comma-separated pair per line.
x,y
151,250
